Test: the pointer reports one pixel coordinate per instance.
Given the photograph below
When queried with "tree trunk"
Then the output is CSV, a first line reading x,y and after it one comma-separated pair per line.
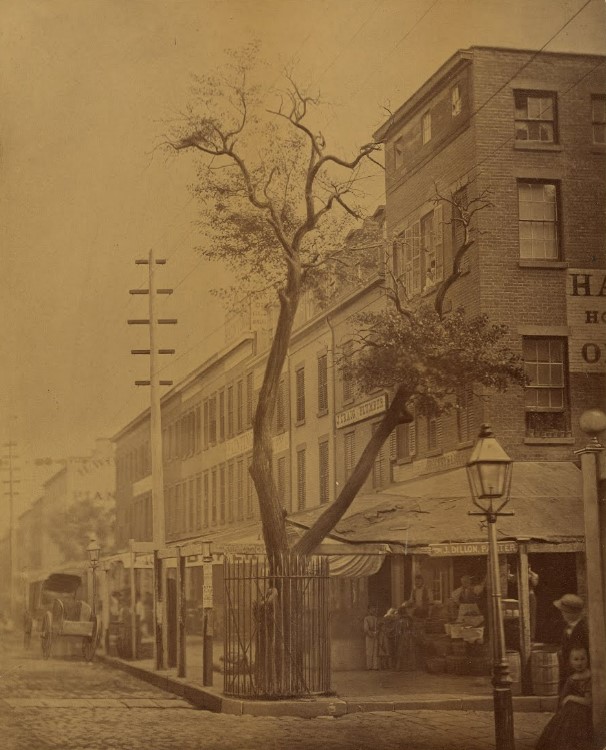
x,y
395,414
272,514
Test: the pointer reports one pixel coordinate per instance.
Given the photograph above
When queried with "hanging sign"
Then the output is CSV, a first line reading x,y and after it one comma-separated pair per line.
x,y
362,411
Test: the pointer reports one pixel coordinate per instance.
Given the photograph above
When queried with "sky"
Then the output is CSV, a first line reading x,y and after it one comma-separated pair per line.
x,y
88,89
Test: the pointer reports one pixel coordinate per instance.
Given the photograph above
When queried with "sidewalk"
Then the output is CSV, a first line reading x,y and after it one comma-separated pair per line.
x,y
356,691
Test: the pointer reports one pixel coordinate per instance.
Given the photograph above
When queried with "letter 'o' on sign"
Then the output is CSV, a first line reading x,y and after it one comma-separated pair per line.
x,y
591,353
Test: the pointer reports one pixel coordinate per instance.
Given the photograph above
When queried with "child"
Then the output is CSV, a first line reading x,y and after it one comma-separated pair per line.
x,y
570,728
371,632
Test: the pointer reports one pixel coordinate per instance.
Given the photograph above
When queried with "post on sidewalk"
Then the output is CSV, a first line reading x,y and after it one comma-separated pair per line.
x,y
133,603
525,615
593,422
158,611
181,614
207,604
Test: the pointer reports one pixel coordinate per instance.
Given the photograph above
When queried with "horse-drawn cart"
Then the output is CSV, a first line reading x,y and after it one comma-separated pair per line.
x,y
64,616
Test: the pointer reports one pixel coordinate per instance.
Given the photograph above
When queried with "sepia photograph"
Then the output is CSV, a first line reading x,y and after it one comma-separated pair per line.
x,y
303,374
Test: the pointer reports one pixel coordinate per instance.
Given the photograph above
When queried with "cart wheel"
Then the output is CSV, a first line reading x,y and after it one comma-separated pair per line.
x,y
46,637
89,644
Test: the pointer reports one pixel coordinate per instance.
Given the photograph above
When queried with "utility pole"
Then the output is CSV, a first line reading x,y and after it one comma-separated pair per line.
x,y
157,467
12,542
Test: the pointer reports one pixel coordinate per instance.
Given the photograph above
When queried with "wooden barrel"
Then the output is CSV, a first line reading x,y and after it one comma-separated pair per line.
x,y
515,671
545,671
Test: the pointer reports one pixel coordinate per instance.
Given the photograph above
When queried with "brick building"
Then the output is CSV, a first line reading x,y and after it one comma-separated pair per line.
x,y
525,132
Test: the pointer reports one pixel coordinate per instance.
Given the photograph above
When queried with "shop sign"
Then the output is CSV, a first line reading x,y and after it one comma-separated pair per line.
x,y
362,411
470,548
586,318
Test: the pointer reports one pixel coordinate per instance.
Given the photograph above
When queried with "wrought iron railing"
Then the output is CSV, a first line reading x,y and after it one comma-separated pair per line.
x,y
277,636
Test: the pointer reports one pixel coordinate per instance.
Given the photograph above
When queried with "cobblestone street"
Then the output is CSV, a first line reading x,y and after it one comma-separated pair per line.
x,y
69,704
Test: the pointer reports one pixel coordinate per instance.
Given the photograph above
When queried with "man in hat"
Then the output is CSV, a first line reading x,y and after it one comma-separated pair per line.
x,y
575,635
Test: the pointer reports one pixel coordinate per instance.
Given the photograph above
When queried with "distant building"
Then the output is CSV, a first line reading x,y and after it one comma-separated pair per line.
x,y
88,480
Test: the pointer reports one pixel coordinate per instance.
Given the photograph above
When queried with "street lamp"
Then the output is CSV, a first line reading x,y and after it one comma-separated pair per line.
x,y
94,551
489,472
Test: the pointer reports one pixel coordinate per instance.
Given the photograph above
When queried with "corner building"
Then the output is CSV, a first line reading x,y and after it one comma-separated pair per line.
x,y
522,133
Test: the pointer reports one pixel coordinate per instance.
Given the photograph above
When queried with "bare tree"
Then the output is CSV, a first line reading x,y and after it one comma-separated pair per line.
x,y
275,200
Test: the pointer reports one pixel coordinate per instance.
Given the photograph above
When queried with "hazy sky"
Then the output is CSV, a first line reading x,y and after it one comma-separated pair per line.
x,y
87,89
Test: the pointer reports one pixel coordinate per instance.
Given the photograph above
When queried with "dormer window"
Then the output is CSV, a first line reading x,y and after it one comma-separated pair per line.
x,y
455,99
426,127
398,152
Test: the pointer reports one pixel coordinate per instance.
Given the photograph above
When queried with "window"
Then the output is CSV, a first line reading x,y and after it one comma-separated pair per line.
x,y
249,399
239,406
323,384
222,416
300,394
323,472
406,439
301,479
378,465
347,375
198,502
350,452
230,411
398,153
281,480
465,413
197,428
598,119
240,487
538,220
206,425
546,395
426,127
433,431
222,493
191,506
206,500
250,489
178,510
455,100
432,247
419,253
213,499
230,491
535,116
212,420
281,408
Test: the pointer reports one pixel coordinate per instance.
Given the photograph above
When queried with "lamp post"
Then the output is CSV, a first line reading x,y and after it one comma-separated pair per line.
x,y
489,472
593,422
94,550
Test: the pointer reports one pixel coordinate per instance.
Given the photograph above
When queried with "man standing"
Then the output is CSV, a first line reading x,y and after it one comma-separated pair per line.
x,y
575,635
420,599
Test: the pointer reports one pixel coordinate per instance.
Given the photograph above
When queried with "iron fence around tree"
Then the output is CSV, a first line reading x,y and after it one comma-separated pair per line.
x,y
277,629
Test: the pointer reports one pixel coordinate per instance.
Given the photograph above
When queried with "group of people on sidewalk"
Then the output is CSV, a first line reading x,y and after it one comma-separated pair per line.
x,y
391,640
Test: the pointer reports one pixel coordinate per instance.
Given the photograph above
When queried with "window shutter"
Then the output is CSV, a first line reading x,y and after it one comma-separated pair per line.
x,y
438,225
393,445
412,433
439,432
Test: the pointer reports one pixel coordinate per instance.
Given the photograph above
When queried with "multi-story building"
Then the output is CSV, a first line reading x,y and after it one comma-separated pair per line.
x,y
521,136
43,545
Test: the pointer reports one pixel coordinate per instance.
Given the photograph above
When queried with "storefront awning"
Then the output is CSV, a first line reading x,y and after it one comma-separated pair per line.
x,y
546,499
